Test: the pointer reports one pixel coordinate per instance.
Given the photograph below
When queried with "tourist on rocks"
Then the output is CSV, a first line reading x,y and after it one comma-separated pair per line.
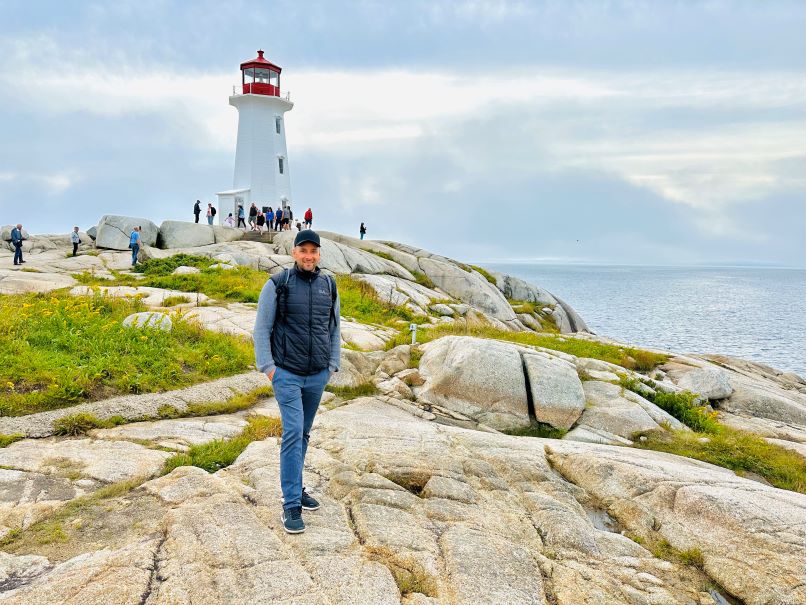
x,y
278,219
197,209
253,216
362,230
134,244
261,220
270,219
241,217
297,345
308,218
288,218
211,211
229,221
16,241
75,239
299,226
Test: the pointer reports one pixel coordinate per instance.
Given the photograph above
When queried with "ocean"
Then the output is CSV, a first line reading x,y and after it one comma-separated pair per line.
x,y
754,313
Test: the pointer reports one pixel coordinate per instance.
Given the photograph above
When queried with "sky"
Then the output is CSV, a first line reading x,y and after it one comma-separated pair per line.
x,y
635,132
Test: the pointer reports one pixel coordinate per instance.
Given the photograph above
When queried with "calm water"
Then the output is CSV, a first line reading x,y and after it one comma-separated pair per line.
x,y
754,313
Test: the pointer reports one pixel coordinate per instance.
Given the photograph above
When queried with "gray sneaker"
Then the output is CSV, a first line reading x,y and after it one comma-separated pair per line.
x,y
292,520
308,501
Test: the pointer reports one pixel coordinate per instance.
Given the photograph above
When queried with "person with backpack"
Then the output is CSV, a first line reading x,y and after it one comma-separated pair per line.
x,y
210,214
197,210
308,218
297,345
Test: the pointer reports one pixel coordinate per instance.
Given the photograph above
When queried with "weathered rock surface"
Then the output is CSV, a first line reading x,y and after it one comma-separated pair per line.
x,y
114,232
180,234
482,379
556,390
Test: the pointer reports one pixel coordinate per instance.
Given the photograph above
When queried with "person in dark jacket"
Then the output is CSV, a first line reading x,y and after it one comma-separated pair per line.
x,y
16,241
362,230
197,210
297,345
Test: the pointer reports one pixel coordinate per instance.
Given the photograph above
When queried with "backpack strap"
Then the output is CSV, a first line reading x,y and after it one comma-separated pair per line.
x,y
281,289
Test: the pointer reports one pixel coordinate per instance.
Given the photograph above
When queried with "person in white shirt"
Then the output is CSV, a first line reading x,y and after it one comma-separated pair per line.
x,y
75,239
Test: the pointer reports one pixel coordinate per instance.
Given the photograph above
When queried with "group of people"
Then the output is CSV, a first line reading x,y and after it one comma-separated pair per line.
x,y
268,219
17,238
211,212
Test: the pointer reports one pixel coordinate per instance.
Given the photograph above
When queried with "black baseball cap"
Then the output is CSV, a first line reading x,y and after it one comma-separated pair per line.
x,y
307,235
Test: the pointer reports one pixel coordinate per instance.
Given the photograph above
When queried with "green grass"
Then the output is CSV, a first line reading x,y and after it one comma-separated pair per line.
x,y
423,280
58,350
241,284
82,422
691,556
486,274
362,390
52,530
175,300
360,301
221,453
538,429
684,406
165,266
6,440
627,357
735,450
385,255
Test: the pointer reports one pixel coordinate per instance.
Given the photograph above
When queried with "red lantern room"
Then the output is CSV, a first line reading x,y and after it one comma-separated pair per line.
x,y
261,77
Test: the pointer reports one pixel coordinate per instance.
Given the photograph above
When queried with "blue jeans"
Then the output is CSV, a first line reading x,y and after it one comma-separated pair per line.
x,y
209,220
298,398
135,250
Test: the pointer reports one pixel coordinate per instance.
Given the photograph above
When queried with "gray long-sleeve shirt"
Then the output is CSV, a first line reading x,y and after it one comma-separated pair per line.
x,y
266,313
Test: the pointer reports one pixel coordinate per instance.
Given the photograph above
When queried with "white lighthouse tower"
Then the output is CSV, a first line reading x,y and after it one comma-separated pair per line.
x,y
261,157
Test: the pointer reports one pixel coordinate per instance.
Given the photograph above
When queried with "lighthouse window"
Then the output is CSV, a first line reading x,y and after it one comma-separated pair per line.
x,y
274,78
249,75
280,160
277,121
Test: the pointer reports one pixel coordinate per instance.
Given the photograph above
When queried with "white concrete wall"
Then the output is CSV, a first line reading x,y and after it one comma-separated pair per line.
x,y
258,149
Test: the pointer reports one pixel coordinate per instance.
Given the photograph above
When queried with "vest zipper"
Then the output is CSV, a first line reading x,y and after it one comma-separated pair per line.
x,y
310,323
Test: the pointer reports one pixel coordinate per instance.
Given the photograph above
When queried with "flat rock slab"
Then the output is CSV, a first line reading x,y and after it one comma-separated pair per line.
x,y
180,432
23,282
137,406
107,461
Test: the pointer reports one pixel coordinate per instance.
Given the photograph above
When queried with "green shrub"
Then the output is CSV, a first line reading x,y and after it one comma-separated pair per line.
x,y
166,266
231,405
486,274
360,301
76,424
362,390
736,450
6,440
218,454
423,279
684,406
385,255
171,301
538,429
58,350
691,556
166,412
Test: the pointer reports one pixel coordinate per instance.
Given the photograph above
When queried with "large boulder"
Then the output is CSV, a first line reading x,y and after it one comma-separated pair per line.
x,y
766,400
557,393
469,287
226,234
181,234
480,378
114,232
710,382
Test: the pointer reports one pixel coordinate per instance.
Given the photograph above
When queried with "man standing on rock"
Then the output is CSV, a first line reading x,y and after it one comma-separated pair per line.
x,y
16,241
197,209
297,345
75,239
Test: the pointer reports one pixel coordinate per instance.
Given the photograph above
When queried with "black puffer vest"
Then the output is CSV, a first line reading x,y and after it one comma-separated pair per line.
x,y
300,339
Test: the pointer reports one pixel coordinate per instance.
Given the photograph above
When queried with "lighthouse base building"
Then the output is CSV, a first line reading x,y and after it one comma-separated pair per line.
x,y
262,173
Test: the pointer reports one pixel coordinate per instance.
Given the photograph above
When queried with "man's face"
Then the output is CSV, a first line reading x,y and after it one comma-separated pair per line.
x,y
306,255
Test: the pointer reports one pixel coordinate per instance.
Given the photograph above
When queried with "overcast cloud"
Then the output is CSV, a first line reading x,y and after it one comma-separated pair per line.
x,y
631,132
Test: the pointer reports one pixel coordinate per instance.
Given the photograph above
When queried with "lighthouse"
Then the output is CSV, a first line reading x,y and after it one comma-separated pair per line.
x,y
262,173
